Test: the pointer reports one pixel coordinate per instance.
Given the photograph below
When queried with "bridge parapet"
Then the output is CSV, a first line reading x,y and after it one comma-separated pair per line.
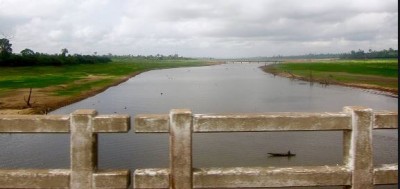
x,y
356,172
83,126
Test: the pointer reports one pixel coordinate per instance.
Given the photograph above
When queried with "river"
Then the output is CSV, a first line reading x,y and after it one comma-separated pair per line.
x,y
226,88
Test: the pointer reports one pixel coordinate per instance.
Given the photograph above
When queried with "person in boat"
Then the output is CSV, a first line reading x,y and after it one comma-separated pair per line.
x,y
288,154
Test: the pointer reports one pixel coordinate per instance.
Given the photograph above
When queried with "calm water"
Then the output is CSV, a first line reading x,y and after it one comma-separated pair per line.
x,y
223,88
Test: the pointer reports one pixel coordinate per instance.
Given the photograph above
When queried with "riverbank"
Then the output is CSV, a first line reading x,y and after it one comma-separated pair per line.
x,y
55,87
379,75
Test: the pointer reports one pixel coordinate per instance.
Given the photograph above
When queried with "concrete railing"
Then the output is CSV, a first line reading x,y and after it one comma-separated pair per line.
x,y
356,172
83,126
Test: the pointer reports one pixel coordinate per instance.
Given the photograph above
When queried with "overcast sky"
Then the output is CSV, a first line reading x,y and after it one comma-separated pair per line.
x,y
200,28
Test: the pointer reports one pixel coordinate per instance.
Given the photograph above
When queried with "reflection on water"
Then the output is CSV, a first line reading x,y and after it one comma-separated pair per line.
x,y
214,89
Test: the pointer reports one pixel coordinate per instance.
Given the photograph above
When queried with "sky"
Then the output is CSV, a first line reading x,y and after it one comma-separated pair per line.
x,y
200,28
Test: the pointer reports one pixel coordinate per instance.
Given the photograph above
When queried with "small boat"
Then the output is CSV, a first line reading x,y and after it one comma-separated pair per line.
x,y
288,154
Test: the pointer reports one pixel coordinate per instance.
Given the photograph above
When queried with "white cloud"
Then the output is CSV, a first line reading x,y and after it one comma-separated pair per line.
x,y
200,27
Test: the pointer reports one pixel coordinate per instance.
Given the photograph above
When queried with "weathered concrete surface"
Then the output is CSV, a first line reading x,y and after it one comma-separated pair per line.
x,y
34,123
358,147
151,123
357,123
237,177
60,178
386,174
111,123
271,122
116,179
60,123
151,178
83,149
272,177
34,178
280,121
180,122
386,120
82,124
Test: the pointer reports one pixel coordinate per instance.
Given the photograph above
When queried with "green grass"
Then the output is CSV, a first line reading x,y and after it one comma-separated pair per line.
x,y
12,78
77,89
16,82
385,68
380,72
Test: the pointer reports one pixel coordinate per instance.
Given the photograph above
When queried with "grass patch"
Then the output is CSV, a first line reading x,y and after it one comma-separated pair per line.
x,y
76,89
17,82
46,76
379,73
56,86
383,68
73,79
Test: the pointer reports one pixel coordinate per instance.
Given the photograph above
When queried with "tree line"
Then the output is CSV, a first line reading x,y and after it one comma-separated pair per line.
x,y
151,57
360,54
28,57
371,54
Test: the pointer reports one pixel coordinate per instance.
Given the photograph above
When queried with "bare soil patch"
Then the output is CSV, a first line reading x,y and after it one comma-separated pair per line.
x,y
44,100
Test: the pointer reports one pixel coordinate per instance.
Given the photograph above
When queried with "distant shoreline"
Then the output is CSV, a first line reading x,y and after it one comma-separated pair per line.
x,y
44,101
319,80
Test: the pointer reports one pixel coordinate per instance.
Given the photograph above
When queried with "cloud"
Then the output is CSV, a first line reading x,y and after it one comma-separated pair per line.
x,y
200,27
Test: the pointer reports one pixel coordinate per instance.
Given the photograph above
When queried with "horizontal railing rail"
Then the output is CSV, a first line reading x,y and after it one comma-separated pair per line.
x,y
356,172
83,126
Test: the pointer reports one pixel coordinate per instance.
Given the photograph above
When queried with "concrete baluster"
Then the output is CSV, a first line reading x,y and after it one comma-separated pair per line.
x,y
358,156
83,149
180,122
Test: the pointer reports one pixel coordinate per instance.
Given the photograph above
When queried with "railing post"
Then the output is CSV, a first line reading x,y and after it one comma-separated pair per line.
x,y
180,122
358,156
83,149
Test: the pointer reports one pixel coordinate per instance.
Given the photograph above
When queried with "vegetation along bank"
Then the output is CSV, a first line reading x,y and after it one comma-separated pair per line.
x,y
40,89
377,74
36,83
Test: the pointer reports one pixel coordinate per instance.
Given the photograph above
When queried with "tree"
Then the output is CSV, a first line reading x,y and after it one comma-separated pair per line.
x,y
5,47
64,51
27,52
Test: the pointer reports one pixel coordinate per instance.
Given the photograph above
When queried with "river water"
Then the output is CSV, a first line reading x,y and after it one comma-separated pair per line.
x,y
226,88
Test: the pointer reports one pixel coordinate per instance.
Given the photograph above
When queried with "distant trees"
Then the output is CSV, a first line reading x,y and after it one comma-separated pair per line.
x,y
64,52
308,56
152,57
371,54
27,52
5,47
360,54
28,57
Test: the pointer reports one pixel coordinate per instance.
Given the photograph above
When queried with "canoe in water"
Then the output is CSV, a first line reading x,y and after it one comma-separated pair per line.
x,y
282,154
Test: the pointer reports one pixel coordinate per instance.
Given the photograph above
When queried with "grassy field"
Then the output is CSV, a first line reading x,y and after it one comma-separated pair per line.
x,y
381,74
57,86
